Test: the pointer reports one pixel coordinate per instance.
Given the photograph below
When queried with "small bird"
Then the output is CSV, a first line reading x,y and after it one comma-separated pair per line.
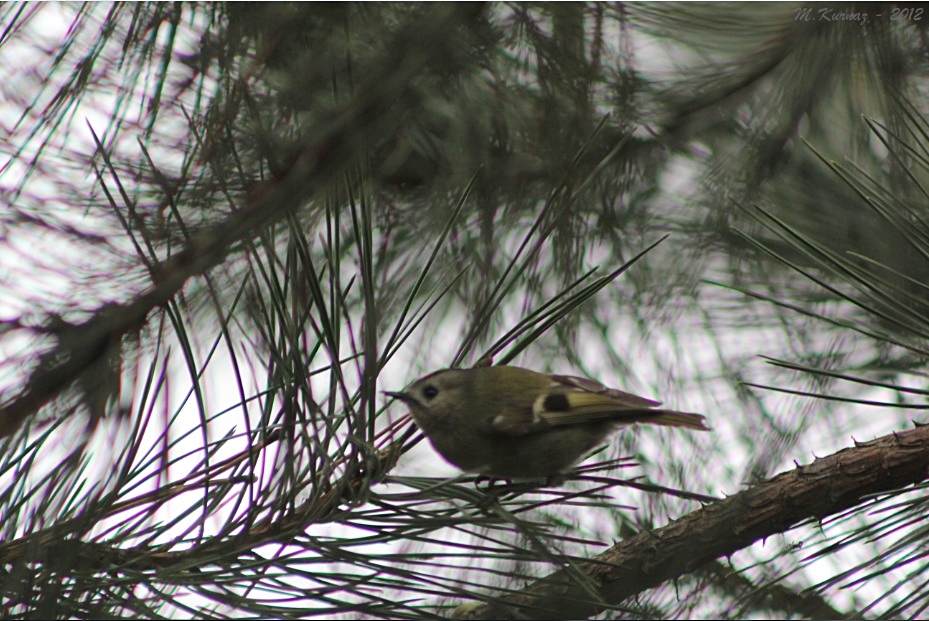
x,y
512,423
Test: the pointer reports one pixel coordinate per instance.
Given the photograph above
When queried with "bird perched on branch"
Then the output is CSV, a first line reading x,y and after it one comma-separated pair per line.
x,y
513,423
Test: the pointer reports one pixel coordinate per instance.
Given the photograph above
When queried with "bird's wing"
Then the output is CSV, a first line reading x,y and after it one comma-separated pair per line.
x,y
572,401
568,384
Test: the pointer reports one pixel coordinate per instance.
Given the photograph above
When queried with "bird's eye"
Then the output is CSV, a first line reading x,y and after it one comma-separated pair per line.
x,y
430,392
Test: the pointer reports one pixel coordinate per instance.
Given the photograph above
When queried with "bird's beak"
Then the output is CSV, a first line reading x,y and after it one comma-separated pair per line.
x,y
402,396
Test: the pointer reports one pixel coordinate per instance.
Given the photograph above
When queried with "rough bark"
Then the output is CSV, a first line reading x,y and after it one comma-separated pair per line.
x,y
826,487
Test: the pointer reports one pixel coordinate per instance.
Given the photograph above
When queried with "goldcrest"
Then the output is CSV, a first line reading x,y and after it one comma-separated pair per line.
x,y
513,423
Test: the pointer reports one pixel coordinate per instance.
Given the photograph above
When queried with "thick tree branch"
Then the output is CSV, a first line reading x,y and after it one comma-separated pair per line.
x,y
827,486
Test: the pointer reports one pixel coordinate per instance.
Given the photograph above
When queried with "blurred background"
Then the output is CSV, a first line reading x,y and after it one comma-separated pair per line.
x,y
227,227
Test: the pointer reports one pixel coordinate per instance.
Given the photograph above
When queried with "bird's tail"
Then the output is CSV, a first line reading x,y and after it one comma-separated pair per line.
x,y
670,418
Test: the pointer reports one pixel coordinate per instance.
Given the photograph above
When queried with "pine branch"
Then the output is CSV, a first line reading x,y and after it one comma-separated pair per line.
x,y
772,597
100,557
370,114
826,487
